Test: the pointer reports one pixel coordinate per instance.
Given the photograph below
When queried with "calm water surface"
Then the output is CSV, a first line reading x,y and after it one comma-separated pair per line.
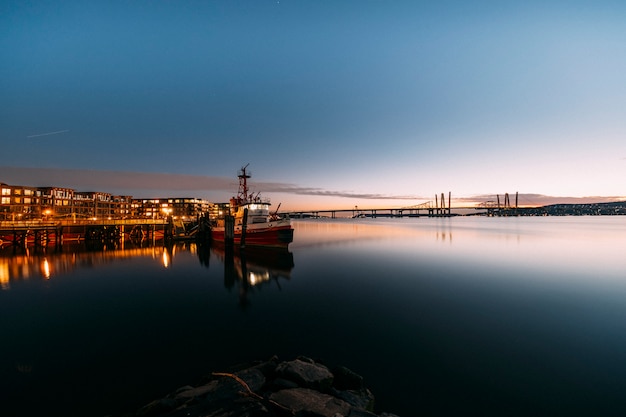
x,y
458,316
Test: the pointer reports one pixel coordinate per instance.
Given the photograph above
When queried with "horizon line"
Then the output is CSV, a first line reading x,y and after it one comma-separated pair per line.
x,y
164,183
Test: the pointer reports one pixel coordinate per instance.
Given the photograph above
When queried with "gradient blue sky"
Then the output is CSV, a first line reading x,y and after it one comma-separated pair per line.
x,y
333,103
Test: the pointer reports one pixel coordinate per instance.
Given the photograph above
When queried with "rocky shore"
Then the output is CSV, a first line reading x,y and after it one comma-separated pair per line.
x,y
299,388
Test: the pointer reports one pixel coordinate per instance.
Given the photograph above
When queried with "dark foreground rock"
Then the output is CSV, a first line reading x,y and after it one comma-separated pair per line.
x,y
298,388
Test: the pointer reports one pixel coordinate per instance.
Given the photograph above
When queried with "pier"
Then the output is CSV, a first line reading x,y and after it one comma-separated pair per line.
x,y
41,233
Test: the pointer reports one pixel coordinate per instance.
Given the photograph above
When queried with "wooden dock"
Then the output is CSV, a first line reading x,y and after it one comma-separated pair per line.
x,y
45,233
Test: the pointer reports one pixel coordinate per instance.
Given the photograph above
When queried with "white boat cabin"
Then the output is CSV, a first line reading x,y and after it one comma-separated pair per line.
x,y
258,212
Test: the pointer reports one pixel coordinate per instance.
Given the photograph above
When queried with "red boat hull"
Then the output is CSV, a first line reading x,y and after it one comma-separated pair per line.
x,y
280,236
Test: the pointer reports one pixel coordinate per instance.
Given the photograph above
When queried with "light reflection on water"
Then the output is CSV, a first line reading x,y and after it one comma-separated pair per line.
x,y
443,316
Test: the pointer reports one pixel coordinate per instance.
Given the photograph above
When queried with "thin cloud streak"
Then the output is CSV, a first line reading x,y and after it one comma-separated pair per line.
x,y
47,134
294,189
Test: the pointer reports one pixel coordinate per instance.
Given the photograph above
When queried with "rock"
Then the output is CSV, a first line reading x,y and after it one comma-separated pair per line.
x,y
360,413
307,402
362,398
297,388
306,374
196,392
345,379
281,383
157,407
253,377
181,389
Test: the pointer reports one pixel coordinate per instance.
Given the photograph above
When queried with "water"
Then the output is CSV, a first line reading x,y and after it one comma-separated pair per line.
x,y
457,316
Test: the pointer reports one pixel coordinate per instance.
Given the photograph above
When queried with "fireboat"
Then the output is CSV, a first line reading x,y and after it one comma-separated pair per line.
x,y
254,224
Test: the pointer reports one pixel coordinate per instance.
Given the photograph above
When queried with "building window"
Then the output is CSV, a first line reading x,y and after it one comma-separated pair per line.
x,y
6,191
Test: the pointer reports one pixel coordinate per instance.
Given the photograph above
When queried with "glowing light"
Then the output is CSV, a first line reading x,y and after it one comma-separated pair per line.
x,y
258,277
166,259
45,267
4,275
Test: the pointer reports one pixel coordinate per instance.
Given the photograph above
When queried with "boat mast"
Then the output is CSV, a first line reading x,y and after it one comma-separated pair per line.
x,y
242,194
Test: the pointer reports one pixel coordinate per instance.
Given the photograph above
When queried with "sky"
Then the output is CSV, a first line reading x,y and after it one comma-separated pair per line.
x,y
334,104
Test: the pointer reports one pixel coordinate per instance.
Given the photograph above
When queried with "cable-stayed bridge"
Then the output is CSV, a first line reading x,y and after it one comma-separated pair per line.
x,y
439,207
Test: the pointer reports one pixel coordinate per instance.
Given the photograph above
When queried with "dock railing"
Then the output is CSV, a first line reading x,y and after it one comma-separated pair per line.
x,y
20,224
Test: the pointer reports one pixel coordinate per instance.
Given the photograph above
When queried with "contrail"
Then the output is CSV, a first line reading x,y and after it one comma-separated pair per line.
x,y
48,134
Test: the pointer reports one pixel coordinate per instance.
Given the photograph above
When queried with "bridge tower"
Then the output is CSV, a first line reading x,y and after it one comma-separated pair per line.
x,y
440,205
507,204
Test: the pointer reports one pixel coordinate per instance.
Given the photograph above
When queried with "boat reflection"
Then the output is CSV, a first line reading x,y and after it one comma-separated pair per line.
x,y
253,267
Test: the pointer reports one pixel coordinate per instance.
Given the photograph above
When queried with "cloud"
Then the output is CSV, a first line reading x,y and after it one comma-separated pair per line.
x,y
295,189
146,184
96,180
118,181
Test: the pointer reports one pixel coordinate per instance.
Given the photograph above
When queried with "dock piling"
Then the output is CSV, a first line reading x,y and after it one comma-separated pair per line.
x,y
244,227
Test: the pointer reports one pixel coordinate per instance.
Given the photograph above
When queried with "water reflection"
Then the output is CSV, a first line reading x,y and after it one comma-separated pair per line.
x,y
460,316
253,267
246,269
47,264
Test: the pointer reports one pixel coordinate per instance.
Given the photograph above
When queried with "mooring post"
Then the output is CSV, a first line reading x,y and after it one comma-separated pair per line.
x,y
229,238
169,231
57,236
229,230
244,227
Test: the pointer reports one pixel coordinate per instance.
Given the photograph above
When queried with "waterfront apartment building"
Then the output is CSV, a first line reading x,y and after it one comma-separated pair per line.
x,y
219,210
55,203
19,202
179,208
95,204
